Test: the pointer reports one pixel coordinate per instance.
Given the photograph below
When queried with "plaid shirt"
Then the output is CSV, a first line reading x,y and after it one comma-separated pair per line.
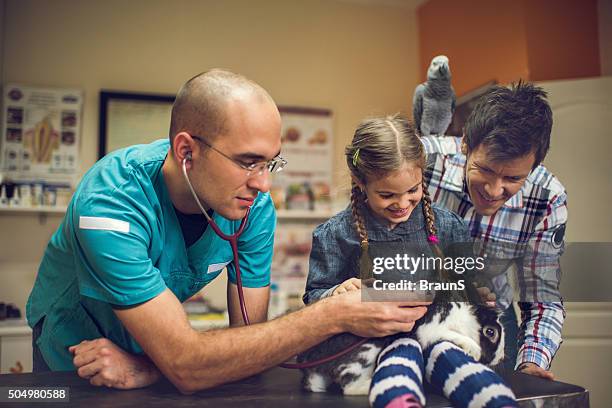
x,y
534,218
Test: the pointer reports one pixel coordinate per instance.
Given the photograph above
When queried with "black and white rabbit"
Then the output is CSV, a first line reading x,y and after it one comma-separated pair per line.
x,y
475,328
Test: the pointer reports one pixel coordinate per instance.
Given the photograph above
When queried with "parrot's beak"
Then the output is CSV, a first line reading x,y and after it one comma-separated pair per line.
x,y
443,70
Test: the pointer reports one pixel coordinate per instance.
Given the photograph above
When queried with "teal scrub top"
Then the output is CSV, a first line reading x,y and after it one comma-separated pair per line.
x,y
121,244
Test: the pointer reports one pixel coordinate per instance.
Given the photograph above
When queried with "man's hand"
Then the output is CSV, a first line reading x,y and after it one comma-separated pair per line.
x,y
534,369
103,363
347,286
375,319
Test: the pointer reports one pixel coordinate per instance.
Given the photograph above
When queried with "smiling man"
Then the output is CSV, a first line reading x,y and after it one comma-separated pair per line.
x,y
493,178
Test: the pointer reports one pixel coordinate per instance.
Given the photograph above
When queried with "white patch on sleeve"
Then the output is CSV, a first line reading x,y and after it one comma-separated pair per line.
x,y
212,268
103,223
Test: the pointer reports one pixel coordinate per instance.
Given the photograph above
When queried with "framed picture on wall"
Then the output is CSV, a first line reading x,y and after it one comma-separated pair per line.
x,y
465,105
128,118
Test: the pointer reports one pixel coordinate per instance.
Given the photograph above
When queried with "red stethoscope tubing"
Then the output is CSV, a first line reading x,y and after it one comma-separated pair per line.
x,y
233,241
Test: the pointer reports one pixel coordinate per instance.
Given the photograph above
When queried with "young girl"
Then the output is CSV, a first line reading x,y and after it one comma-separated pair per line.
x,y
389,202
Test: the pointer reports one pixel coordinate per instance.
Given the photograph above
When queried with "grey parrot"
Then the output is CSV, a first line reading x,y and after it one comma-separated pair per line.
x,y
434,100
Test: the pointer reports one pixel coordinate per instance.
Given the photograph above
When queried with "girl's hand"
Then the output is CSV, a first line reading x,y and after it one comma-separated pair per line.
x,y
347,286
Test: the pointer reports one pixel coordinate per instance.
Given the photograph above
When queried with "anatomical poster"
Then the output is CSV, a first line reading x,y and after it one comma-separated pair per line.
x,y
40,133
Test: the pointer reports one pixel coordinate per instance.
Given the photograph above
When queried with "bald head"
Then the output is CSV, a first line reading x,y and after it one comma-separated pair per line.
x,y
201,104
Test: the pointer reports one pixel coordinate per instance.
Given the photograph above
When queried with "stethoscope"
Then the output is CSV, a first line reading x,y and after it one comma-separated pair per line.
x,y
233,241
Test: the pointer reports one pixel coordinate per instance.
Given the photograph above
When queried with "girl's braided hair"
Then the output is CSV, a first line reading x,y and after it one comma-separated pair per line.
x,y
381,146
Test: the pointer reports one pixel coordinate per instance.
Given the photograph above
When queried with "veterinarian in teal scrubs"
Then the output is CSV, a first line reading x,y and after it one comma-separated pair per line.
x,y
96,261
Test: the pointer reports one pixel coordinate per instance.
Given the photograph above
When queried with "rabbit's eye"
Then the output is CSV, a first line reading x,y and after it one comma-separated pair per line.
x,y
491,333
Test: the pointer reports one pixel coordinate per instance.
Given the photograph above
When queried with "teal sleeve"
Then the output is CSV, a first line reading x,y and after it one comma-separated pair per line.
x,y
114,234
255,245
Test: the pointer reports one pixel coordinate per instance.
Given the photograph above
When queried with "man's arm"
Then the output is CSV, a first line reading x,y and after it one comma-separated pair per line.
x,y
194,361
542,320
540,337
256,302
105,364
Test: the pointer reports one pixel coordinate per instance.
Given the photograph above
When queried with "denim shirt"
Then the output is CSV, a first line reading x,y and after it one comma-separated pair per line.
x,y
335,252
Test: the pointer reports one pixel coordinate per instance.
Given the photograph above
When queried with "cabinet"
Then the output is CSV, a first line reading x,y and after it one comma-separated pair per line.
x,y
15,347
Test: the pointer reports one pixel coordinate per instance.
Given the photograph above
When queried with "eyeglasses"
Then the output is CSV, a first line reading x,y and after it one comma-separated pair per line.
x,y
273,165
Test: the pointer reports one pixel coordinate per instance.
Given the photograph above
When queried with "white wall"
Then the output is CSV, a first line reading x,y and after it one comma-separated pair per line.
x,y
356,59
580,157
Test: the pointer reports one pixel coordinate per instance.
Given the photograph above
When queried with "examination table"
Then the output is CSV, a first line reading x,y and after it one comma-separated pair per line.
x,y
274,388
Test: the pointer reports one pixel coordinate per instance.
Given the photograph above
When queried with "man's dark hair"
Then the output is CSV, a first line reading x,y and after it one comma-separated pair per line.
x,y
511,123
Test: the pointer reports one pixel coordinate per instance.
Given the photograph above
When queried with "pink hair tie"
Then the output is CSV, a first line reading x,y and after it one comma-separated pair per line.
x,y
433,239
